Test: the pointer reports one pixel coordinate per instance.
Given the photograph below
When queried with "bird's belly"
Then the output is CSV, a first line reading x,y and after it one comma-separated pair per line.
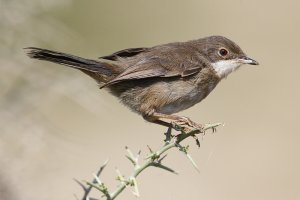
x,y
182,103
173,108
182,98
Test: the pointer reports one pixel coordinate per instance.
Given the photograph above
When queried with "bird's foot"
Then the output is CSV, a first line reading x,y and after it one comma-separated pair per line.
x,y
187,131
186,125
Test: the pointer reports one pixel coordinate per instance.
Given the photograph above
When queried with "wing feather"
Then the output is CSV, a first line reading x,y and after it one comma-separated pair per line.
x,y
167,62
125,53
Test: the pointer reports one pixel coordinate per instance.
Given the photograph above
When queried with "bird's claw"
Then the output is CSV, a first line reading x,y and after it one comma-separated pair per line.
x,y
185,124
186,132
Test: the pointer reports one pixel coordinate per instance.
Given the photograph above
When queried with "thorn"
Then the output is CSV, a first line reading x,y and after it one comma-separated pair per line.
x,y
97,179
130,159
96,183
102,188
94,186
185,151
120,176
160,160
80,184
197,141
131,156
138,156
159,165
135,186
193,162
168,135
149,149
102,168
214,129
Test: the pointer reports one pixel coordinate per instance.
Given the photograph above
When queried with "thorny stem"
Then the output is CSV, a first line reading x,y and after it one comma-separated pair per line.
x,y
152,160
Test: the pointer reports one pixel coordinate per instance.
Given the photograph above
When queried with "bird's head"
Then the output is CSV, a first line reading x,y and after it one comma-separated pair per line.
x,y
224,55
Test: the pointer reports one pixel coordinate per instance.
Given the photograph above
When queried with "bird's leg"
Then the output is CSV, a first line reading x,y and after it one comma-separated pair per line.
x,y
179,119
155,117
160,122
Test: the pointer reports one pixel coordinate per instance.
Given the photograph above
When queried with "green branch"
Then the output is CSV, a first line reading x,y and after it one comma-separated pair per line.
x,y
154,160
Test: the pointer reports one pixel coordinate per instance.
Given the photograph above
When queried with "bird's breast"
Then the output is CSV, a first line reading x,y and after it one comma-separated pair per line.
x,y
183,95
182,103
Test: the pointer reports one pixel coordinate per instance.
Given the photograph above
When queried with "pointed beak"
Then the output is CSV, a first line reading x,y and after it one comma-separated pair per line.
x,y
247,60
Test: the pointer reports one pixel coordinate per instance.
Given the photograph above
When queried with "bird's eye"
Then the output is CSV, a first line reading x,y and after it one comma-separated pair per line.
x,y
223,52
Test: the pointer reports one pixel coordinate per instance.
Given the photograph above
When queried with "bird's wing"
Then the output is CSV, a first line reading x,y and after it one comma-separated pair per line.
x,y
172,62
125,53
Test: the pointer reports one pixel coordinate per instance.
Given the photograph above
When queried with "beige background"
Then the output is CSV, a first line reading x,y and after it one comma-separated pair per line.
x,y
56,125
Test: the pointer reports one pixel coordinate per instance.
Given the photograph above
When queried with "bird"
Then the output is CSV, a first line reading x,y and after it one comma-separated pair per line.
x,y
160,81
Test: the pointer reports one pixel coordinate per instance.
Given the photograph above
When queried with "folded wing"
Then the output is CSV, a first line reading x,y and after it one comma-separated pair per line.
x,y
168,61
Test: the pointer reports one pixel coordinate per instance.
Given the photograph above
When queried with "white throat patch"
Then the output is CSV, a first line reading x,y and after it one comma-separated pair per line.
x,y
225,67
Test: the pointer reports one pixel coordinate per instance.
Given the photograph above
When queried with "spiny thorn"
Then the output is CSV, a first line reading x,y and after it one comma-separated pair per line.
x,y
151,151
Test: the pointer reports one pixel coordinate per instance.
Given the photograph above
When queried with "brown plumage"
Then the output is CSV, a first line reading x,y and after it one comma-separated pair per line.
x,y
159,81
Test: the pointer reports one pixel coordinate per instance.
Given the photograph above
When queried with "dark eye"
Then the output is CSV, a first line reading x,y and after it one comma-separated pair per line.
x,y
223,52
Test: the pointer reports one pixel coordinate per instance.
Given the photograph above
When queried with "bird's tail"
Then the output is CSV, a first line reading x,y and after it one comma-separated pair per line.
x,y
88,66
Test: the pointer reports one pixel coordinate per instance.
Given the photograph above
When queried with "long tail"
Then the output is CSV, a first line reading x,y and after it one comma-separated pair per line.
x,y
86,65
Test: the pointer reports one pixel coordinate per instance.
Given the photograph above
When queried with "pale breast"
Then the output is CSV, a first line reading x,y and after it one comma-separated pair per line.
x,y
185,94
182,103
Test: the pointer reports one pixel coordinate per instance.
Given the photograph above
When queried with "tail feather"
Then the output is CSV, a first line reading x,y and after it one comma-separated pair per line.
x,y
70,60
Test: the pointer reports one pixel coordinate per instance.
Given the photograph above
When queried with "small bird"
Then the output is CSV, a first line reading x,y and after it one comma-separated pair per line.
x,y
158,81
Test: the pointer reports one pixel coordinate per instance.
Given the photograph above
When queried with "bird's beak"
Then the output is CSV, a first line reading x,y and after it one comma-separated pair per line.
x,y
247,60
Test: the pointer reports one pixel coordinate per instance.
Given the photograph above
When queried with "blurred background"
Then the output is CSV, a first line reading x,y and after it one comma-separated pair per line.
x,y
56,125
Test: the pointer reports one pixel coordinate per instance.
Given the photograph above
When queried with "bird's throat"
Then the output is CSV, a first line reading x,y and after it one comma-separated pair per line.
x,y
225,67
